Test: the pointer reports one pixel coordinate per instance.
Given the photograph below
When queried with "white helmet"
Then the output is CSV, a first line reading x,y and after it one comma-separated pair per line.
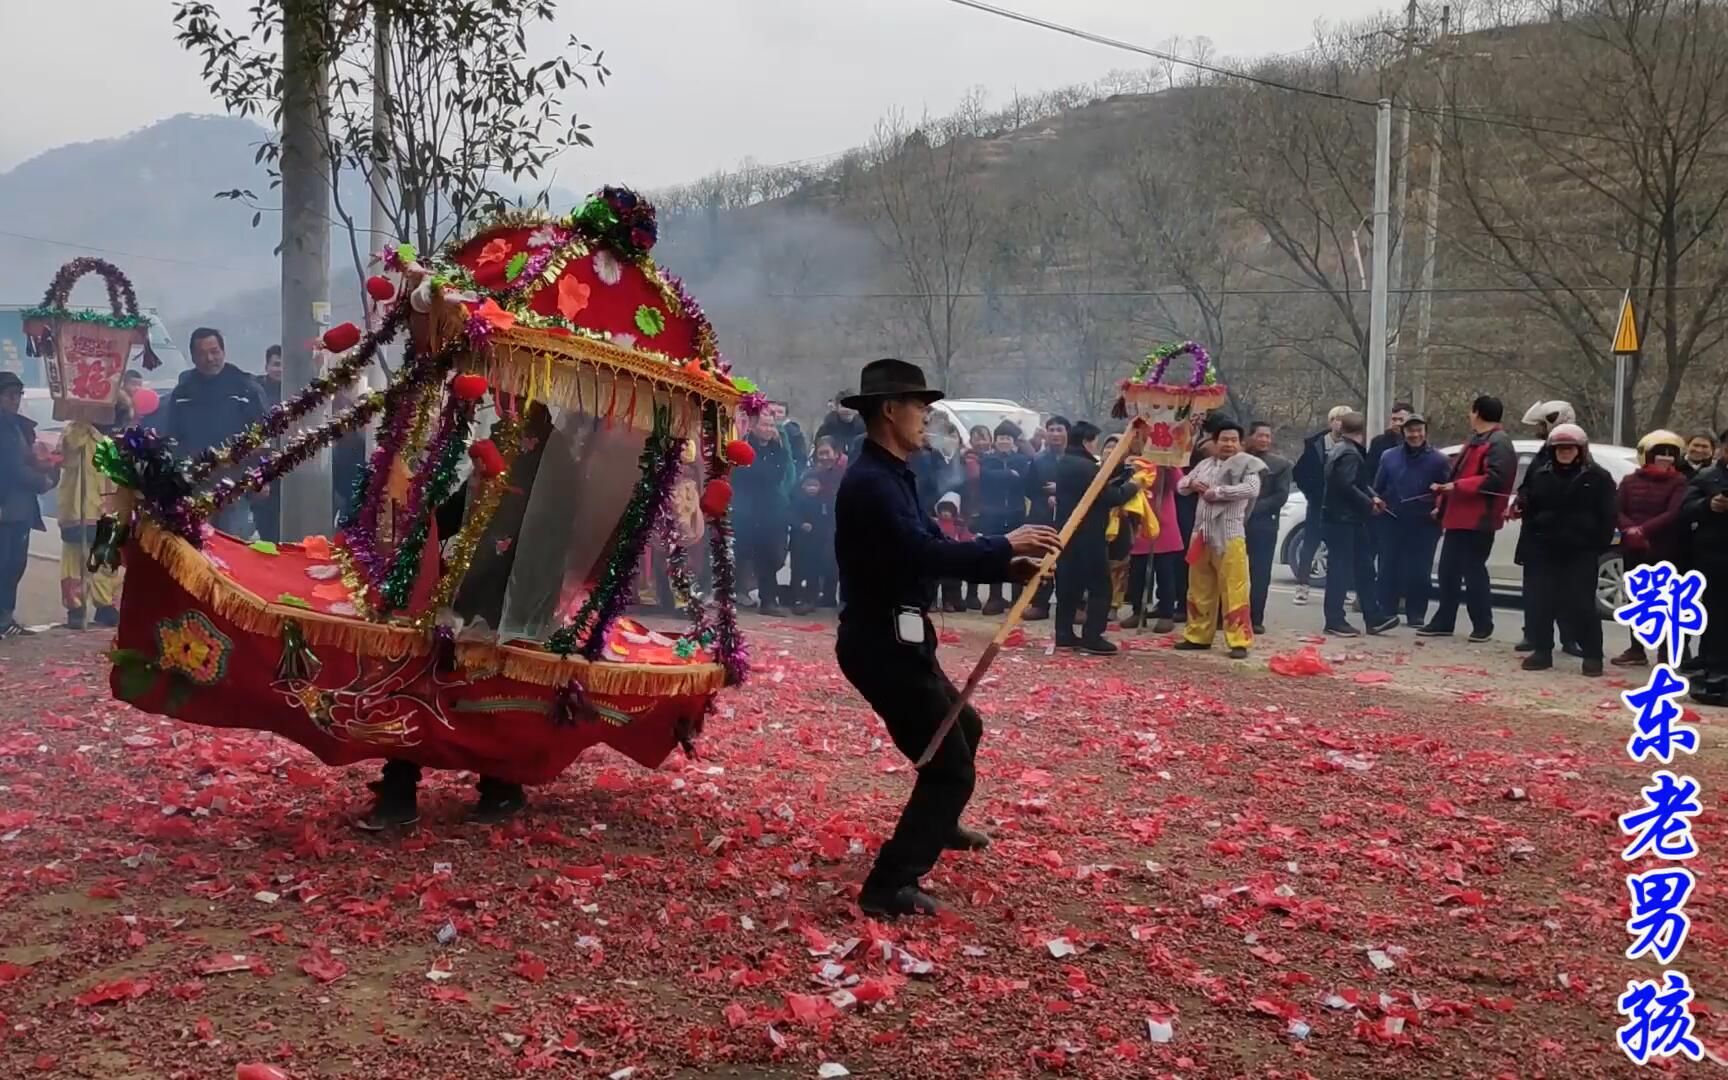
x,y
1553,413
1568,435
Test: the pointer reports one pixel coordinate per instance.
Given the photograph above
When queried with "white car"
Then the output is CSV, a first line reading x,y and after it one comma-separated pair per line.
x,y
1504,574
951,418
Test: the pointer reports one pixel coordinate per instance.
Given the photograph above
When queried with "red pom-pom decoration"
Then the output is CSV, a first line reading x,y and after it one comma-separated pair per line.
x,y
378,287
488,459
469,387
716,497
342,338
740,453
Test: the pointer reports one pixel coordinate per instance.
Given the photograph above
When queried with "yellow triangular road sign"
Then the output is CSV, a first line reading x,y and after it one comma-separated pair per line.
x,y
1626,334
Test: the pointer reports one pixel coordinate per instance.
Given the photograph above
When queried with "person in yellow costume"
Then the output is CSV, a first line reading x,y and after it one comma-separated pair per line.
x,y
1132,521
1227,483
84,495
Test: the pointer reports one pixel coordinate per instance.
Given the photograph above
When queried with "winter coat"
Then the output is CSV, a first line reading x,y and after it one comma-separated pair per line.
x,y
844,432
1310,471
1709,529
1568,511
1347,498
1163,496
22,477
816,511
1274,492
1378,448
1073,476
208,410
1483,474
1003,487
1042,471
1649,501
1406,480
759,489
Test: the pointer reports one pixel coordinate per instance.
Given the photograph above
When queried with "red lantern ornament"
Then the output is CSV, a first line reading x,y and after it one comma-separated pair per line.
x,y
740,453
378,287
716,497
469,387
488,459
342,338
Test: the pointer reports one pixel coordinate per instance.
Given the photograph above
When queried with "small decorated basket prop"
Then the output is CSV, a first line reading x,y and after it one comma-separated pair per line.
x,y
1172,407
86,351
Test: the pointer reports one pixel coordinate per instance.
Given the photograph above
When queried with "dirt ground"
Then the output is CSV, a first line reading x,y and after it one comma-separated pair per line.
x,y
1405,867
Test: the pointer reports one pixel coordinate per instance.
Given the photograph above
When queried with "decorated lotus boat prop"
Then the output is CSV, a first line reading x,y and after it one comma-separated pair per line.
x,y
85,351
1172,402
500,644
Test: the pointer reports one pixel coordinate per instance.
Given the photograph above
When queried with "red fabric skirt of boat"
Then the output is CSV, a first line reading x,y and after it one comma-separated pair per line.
x,y
261,638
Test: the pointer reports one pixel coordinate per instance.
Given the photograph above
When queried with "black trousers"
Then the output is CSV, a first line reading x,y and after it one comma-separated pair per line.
x,y
1464,575
14,560
909,691
1350,565
762,547
1262,556
1407,567
1713,644
1563,589
404,776
1083,577
812,565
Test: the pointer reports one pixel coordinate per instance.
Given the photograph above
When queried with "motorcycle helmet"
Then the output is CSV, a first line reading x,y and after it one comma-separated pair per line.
x,y
1568,435
1661,439
1553,413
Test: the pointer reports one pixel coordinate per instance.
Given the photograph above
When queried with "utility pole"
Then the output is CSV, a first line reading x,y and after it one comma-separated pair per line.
x,y
305,244
383,159
1378,292
1397,278
1431,224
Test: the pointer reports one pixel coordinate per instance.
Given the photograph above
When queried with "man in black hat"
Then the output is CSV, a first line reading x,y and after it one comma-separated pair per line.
x,y
891,554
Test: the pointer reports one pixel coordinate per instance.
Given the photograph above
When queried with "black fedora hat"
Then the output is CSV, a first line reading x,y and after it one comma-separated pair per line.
x,y
890,378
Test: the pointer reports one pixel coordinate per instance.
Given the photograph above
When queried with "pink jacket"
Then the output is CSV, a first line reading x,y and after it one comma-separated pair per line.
x,y
1169,532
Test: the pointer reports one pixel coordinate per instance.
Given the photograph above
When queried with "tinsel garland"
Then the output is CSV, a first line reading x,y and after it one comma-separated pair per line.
x,y
729,647
608,598
361,537
507,437
280,418
432,484
682,581
122,298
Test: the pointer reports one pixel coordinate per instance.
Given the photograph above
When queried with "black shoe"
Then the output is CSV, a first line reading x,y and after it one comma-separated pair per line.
x,y
108,617
1190,646
1522,646
1384,625
1538,661
1259,629
1067,642
1238,653
972,603
1477,637
16,629
993,609
906,900
802,610
75,619
394,808
769,611
1431,630
1343,631
498,803
1570,648
965,839
1414,624
1692,665
1132,622
1099,647
1593,666
953,607
1036,614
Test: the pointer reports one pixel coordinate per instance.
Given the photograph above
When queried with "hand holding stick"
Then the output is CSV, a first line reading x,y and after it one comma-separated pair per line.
x,y
1105,471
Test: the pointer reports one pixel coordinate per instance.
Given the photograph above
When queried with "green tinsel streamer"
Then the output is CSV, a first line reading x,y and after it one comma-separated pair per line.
x,y
405,567
620,569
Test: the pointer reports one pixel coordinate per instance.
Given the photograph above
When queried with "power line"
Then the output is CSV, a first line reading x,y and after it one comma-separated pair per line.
x,y
111,251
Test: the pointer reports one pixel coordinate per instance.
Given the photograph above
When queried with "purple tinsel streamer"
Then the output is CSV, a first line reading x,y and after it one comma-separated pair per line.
x,y
458,415
678,572
729,646
665,475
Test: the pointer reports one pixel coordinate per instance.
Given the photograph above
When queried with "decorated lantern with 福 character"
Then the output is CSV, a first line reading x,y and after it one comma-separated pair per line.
x,y
1172,389
557,392
85,351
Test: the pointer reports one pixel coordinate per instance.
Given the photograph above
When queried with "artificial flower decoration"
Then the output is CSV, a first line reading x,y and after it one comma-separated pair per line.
x,y
572,297
494,316
607,268
649,320
192,646
544,236
513,269
495,251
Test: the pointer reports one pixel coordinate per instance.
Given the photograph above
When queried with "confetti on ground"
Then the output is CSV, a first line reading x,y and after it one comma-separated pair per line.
x,y
1197,870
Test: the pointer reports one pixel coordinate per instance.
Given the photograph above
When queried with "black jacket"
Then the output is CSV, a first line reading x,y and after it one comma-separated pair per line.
x,y
845,433
206,411
1377,447
1568,511
1348,498
1707,531
21,479
1310,471
1074,475
1002,485
1274,492
760,487
1043,470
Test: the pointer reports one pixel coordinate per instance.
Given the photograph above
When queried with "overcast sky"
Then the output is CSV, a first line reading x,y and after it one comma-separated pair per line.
x,y
697,84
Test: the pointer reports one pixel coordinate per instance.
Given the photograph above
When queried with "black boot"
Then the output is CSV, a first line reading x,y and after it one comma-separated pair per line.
x,y
895,903
499,802
74,618
397,805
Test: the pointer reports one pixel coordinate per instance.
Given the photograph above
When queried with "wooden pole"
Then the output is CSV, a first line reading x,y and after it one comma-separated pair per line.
x,y
1105,471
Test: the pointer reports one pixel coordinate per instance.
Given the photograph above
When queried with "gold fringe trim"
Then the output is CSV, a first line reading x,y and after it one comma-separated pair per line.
x,y
192,571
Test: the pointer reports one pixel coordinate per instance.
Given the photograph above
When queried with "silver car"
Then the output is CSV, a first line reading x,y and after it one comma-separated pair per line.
x,y
1505,575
